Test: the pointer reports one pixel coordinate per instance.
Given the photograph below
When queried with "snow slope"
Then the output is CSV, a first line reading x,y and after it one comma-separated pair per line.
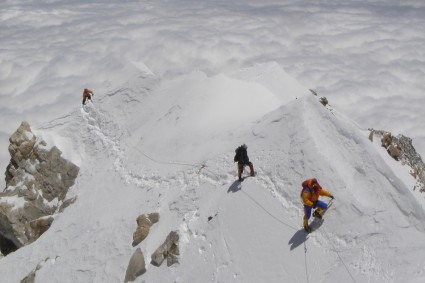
x,y
167,146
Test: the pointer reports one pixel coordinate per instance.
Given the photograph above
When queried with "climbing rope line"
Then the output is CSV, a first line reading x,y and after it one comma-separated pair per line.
x,y
305,260
201,166
286,224
335,250
167,162
345,266
204,166
277,219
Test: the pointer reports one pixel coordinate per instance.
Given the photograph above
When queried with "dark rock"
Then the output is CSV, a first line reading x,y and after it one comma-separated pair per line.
x,y
37,181
168,250
136,266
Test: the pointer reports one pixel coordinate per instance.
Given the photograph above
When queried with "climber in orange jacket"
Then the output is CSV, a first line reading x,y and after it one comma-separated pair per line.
x,y
87,94
311,190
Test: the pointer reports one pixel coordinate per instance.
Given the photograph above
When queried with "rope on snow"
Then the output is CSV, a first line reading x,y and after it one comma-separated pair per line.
x,y
203,166
286,224
305,261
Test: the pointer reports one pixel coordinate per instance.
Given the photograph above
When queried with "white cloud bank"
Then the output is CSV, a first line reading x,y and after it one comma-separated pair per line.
x,y
366,56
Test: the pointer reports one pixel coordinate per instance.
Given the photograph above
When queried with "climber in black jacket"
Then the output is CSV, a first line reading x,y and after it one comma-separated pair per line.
x,y
241,157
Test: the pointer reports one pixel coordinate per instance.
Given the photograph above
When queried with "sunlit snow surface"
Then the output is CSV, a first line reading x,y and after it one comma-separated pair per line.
x,y
178,85
143,149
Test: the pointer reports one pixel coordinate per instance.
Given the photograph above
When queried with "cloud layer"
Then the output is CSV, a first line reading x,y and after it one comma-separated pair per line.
x,y
366,56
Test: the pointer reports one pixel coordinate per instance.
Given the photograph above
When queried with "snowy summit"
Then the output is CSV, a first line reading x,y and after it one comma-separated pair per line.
x,y
164,147
157,185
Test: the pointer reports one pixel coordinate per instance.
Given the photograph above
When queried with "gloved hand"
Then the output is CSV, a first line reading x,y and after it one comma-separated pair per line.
x,y
332,197
314,204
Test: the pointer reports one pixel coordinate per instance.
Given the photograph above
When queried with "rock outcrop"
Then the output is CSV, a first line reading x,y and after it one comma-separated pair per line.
x,y
168,250
144,223
386,140
30,278
136,266
324,101
401,149
37,181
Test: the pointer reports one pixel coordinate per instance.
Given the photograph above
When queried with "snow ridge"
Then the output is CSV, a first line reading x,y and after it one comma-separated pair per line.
x,y
140,151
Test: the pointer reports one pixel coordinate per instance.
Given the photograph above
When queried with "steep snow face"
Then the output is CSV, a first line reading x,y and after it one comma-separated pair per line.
x,y
150,146
194,109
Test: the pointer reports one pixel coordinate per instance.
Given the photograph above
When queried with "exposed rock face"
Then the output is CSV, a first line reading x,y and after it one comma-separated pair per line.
x,y
391,144
386,140
401,148
37,181
394,150
30,278
371,135
324,101
144,223
168,250
136,266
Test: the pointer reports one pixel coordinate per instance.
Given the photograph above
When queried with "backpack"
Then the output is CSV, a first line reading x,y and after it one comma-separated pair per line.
x,y
238,155
305,186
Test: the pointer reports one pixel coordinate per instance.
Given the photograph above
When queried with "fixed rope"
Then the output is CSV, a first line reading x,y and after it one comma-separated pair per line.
x,y
277,219
335,250
305,261
203,166
343,263
286,224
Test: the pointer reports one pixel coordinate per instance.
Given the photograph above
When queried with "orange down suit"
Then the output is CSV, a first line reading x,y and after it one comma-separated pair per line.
x,y
308,195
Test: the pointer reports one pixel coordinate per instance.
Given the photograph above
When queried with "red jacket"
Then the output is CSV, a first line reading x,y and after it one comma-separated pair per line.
x,y
86,92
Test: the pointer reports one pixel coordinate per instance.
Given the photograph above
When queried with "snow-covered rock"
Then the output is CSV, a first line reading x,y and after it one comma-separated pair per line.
x,y
144,223
142,149
37,180
401,149
136,266
168,250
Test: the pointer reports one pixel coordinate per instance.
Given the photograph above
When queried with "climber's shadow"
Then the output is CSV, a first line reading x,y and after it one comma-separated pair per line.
x,y
236,186
301,236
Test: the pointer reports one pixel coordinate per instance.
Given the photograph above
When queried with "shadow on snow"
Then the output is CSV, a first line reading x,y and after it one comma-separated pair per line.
x,y
301,236
236,186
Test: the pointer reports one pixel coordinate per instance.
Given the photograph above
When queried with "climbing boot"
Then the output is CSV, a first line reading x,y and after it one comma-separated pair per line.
x,y
316,214
306,227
